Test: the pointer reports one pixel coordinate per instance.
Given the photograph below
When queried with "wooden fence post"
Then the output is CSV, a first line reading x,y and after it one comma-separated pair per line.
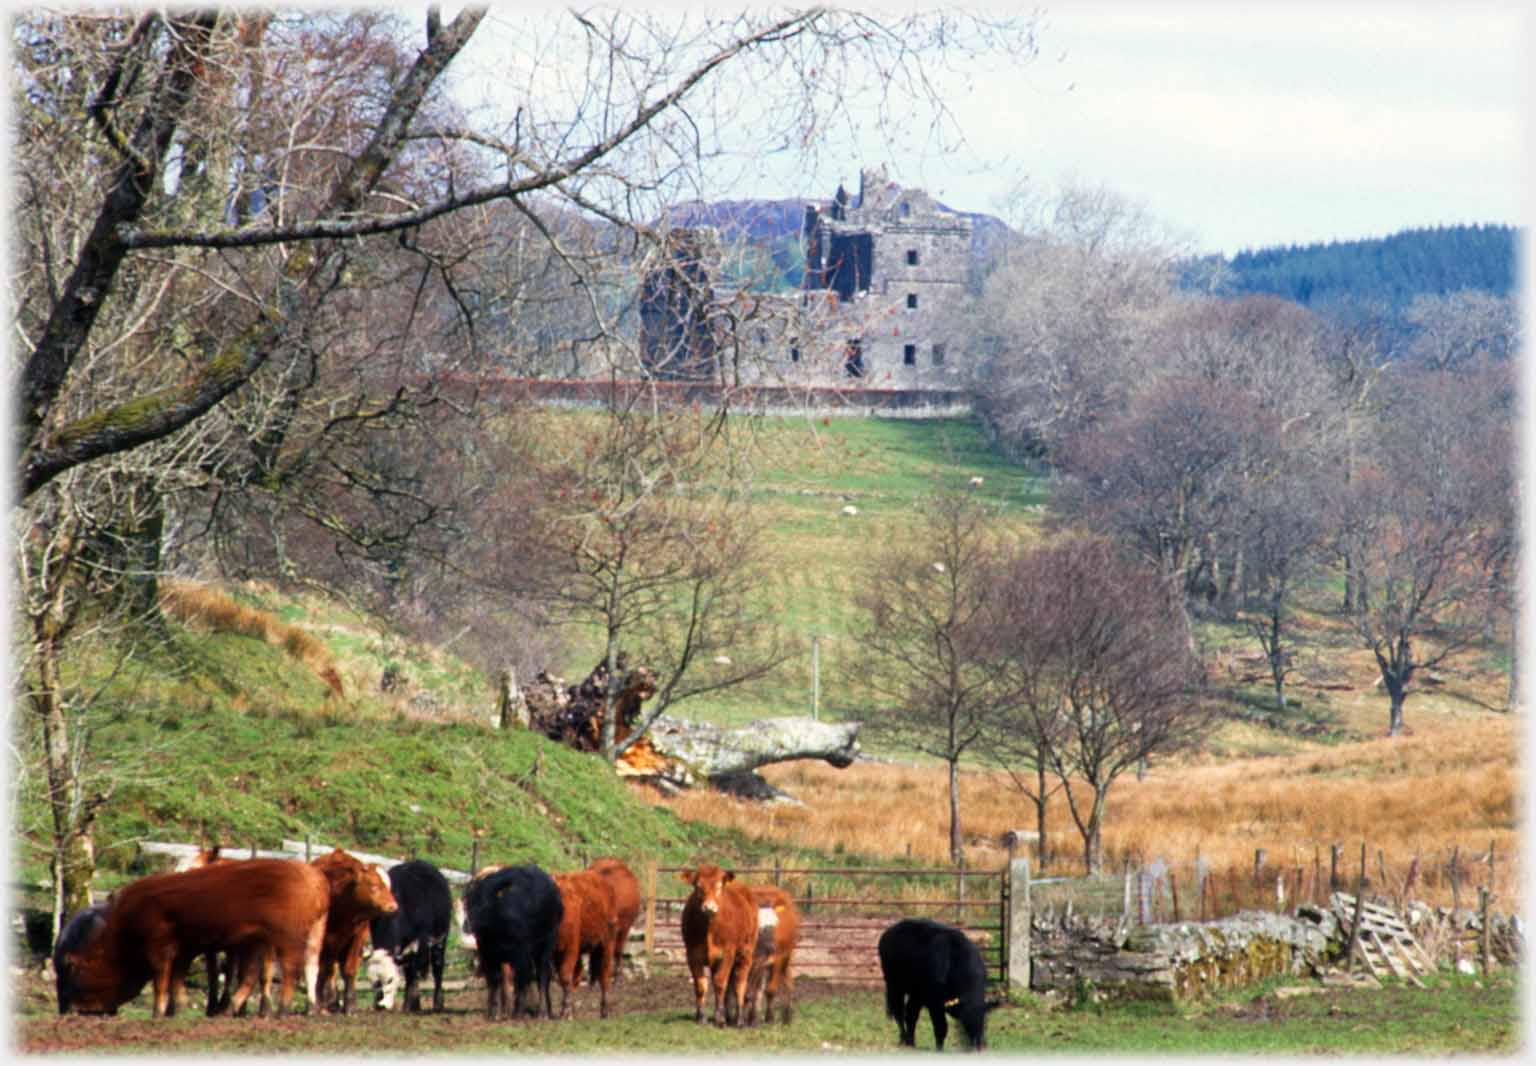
x,y
1485,936
1018,924
1337,854
474,856
650,908
1354,928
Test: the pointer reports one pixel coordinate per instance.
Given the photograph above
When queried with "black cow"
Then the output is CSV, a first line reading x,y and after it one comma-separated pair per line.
x,y
514,913
406,941
930,964
79,931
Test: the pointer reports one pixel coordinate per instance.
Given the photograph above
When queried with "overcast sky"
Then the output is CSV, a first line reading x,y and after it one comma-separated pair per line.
x,y
1277,123
1237,126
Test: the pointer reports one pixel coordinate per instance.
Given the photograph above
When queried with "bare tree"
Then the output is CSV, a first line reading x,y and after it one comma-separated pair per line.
x,y
922,662
1437,502
1103,676
1452,330
1065,311
641,528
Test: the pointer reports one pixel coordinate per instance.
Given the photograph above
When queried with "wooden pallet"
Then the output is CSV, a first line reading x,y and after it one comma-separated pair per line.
x,y
1385,942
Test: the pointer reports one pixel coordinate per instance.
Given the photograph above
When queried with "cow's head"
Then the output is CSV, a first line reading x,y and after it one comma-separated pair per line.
x,y
384,974
972,1016
708,882
373,891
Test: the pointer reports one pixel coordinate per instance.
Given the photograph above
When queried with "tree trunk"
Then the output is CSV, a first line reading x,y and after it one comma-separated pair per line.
x,y
1040,797
607,742
1512,699
955,851
1395,715
74,861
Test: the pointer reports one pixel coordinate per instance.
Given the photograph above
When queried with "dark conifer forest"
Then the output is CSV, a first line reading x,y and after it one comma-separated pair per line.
x,y
1389,271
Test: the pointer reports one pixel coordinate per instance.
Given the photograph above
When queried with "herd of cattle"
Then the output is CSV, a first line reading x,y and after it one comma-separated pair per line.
x,y
253,919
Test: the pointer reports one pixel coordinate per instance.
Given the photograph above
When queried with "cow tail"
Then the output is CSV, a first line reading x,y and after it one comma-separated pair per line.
x,y
312,961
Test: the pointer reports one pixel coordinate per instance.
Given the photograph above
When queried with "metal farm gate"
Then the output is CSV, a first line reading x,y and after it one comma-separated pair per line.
x,y
843,911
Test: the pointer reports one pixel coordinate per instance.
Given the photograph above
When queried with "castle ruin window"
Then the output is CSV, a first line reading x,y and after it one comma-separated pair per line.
x,y
938,355
911,257
905,209
794,353
909,355
911,301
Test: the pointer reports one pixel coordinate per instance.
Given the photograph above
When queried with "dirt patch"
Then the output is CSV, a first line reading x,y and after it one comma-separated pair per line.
x,y
39,1030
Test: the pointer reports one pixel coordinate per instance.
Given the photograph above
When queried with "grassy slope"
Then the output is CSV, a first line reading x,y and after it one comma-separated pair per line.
x,y
227,735
808,473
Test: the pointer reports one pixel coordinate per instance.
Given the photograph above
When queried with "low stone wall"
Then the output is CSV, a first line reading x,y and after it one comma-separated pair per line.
x,y
1183,960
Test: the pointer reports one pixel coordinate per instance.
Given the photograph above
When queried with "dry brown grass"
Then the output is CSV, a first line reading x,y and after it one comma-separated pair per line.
x,y
1449,786
215,609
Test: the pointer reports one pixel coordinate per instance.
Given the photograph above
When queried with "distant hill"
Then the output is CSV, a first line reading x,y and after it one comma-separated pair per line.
x,y
1389,270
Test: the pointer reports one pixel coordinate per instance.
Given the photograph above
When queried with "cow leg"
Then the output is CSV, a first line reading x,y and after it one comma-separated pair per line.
x,y
349,967
493,993
546,975
176,994
785,990
413,964
269,964
510,991
720,975
439,960
607,976
217,989
739,975
242,980
940,1023
160,975
565,970
911,1010
754,990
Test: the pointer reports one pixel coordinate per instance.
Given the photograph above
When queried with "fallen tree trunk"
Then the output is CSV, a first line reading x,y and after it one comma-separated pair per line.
x,y
678,753
715,751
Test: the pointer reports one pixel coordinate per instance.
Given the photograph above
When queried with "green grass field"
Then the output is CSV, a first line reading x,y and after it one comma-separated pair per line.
x,y
1454,1015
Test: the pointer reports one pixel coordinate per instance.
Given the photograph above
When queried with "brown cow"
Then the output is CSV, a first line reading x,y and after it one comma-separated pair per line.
x,y
588,928
719,932
359,894
778,931
626,899
157,925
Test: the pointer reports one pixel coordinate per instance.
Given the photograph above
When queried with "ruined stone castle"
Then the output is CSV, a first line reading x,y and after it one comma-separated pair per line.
x,y
887,276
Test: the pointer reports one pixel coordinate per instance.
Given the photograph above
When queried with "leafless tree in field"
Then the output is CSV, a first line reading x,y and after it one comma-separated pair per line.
x,y
922,638
1101,677
1434,504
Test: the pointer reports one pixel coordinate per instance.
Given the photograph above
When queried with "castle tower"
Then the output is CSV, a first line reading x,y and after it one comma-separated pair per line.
x,y
900,265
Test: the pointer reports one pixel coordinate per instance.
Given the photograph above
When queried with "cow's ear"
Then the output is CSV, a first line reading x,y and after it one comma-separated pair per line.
x,y
730,875
688,875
